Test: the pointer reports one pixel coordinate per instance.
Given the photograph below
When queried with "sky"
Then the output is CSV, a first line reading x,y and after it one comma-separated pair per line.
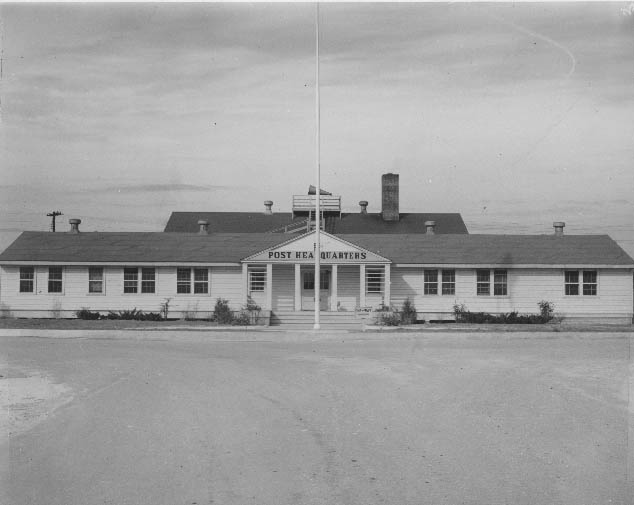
x,y
513,114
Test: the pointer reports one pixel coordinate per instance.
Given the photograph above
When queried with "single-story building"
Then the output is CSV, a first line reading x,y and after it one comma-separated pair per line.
x,y
45,274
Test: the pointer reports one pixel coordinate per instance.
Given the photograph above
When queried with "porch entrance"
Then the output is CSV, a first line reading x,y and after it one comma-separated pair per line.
x,y
308,290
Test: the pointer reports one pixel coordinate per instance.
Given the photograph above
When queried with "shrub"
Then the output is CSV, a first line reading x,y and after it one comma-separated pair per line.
x,y
242,319
134,315
388,318
546,309
222,312
408,312
464,316
87,314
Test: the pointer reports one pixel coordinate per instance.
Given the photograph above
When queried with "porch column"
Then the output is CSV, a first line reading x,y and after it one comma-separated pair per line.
x,y
362,285
298,288
333,289
387,292
269,286
245,283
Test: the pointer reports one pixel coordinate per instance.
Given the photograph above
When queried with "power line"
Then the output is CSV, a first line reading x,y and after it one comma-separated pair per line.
x,y
53,215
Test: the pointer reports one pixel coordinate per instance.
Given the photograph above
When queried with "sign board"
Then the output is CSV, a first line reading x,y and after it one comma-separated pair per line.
x,y
302,250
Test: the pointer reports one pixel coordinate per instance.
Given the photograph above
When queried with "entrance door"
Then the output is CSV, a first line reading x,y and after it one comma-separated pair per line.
x,y
308,290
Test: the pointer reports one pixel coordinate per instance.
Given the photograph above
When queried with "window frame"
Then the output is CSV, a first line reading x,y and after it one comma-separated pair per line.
x,y
141,284
504,284
32,280
374,280
448,283
582,286
101,281
481,284
190,285
257,279
55,281
430,282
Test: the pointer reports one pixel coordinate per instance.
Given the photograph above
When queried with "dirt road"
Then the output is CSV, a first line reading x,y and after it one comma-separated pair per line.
x,y
439,419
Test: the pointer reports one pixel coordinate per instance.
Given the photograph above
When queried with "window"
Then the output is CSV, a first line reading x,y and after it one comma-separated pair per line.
x,y
257,279
499,282
148,280
183,280
130,280
95,280
27,279
483,284
374,278
571,282
590,282
324,280
430,282
54,279
448,282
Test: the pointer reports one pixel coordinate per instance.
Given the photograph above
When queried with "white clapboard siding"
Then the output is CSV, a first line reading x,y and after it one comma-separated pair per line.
x,y
348,286
283,287
225,283
526,287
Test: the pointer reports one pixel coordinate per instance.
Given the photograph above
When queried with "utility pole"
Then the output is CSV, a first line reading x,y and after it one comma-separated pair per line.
x,y
53,215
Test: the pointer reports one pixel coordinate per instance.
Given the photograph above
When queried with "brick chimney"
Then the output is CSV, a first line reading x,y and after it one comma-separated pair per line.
x,y
559,228
364,207
203,227
74,225
430,227
268,204
389,207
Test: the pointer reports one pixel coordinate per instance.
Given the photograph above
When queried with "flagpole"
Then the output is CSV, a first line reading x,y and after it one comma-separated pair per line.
x,y
317,176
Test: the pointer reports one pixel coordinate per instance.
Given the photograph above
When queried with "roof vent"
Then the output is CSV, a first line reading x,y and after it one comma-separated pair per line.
x,y
203,227
74,225
430,227
364,206
559,228
267,207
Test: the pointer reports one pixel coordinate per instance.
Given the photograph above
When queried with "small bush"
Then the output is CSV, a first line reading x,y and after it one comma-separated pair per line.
x,y
87,314
462,315
408,312
386,318
222,312
134,315
242,319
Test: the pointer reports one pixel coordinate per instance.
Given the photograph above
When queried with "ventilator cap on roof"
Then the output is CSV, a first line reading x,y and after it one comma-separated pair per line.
x,y
268,204
430,227
74,225
203,227
559,227
364,206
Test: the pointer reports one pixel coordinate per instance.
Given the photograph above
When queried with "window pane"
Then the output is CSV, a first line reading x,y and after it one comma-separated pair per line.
x,y
130,279
448,282
590,282
499,282
54,279
572,289
257,280
183,280
483,282
95,280
147,280
27,279
430,282
571,282
374,280
201,280
324,279
572,276
309,280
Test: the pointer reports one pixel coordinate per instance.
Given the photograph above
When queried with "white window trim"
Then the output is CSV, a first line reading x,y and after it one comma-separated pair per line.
x,y
492,282
35,272
103,281
260,271
439,282
372,269
63,281
580,283
192,281
139,279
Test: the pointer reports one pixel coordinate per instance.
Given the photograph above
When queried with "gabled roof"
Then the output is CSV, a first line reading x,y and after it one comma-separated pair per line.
x,y
420,249
254,222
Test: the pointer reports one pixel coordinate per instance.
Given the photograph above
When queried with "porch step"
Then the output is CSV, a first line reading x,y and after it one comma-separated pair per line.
x,y
327,320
